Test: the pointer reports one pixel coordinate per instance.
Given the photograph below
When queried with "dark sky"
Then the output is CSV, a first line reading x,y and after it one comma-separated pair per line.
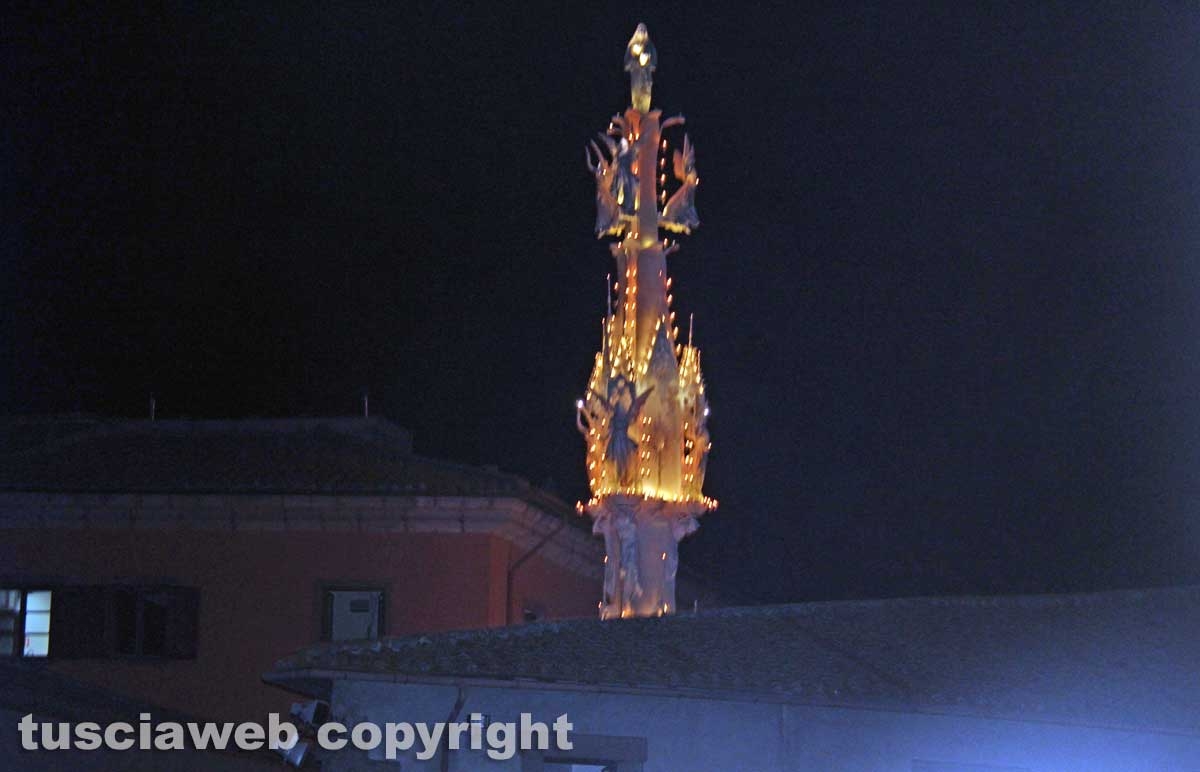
x,y
946,285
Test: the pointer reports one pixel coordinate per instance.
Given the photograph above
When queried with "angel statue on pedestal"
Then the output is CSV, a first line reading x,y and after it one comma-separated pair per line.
x,y
622,449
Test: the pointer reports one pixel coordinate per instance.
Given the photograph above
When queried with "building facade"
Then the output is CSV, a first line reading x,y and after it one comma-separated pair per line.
x,y
172,561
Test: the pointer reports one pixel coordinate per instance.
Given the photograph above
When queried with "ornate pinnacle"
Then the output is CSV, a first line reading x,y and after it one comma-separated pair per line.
x,y
640,61
644,413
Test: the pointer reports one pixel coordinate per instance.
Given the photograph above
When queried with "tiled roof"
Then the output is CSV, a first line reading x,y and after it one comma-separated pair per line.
x,y
29,686
1128,658
338,456
303,456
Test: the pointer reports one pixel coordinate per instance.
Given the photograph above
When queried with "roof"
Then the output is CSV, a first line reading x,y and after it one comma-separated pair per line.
x,y
81,454
295,455
1127,658
32,687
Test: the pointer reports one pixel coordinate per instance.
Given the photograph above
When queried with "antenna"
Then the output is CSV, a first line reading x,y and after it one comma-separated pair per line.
x,y
691,328
366,404
153,405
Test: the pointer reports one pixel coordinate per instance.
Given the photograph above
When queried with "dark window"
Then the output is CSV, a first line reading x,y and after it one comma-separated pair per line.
x,y
125,619
154,621
81,626
99,622
592,753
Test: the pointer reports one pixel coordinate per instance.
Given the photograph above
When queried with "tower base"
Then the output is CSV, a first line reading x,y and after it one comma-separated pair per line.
x,y
641,544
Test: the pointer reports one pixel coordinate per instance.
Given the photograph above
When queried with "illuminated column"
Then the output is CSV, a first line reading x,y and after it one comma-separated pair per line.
x,y
644,415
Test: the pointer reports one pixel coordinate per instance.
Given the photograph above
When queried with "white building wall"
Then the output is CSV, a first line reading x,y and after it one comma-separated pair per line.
x,y
693,735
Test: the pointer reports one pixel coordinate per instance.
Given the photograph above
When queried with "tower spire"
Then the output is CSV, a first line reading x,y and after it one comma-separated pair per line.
x,y
644,414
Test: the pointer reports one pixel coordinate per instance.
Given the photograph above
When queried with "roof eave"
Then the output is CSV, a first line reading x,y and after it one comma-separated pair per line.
x,y
318,683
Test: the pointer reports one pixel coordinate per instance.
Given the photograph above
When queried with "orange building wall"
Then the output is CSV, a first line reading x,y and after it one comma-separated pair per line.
x,y
260,597
558,594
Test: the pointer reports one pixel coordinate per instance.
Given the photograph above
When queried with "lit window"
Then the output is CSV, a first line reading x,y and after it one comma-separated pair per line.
x,y
25,623
352,614
99,622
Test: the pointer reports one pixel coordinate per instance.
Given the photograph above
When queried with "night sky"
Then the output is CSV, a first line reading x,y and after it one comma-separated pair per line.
x,y
947,284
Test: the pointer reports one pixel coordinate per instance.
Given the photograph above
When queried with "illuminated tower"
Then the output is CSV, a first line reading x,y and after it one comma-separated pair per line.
x,y
645,411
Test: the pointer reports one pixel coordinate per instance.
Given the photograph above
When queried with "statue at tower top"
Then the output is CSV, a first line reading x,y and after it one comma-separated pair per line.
x,y
644,415
640,62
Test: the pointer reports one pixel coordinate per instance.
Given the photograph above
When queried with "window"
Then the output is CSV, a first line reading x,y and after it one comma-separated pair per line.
x,y
25,623
99,622
592,753
943,766
153,622
352,614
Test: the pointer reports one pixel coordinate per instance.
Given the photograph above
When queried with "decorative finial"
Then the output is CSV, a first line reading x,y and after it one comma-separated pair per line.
x,y
640,62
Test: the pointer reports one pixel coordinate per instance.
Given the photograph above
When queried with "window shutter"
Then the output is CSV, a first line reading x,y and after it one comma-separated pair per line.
x,y
183,617
77,623
327,616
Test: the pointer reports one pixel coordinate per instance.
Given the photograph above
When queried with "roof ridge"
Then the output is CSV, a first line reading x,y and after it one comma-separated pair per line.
x,y
1024,600
99,427
966,601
